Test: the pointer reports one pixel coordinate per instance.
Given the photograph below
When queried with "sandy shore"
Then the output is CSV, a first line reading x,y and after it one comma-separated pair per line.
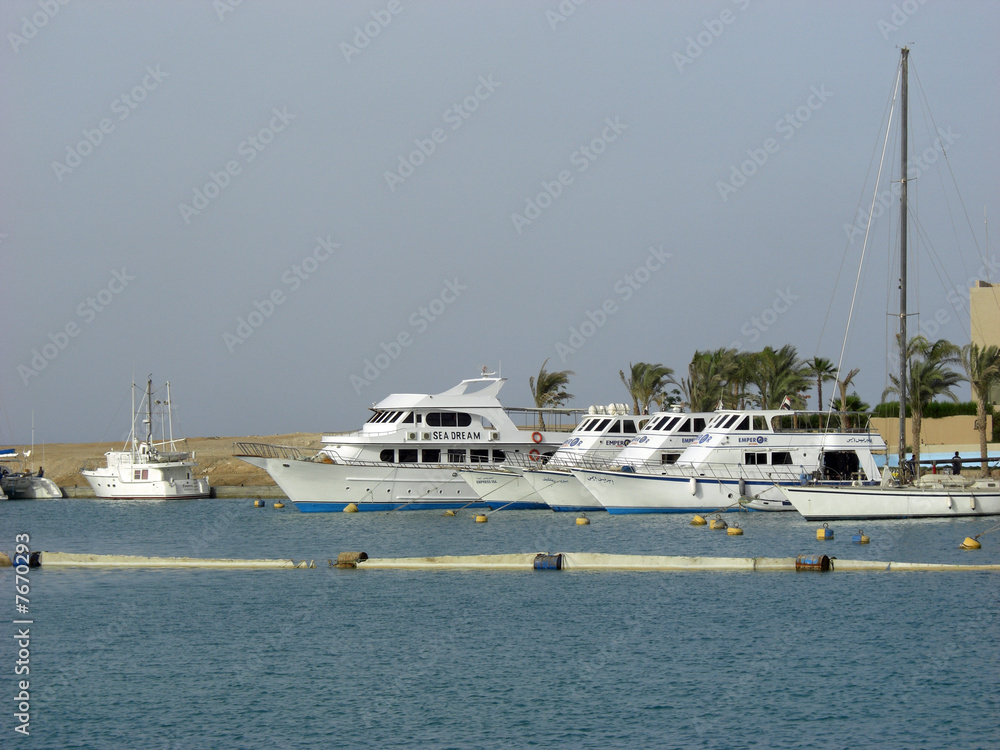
x,y
63,461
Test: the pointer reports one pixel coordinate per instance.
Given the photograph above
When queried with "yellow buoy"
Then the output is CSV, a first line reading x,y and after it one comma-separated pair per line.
x,y
698,521
860,537
258,503
279,504
735,530
448,513
717,523
582,521
970,543
825,533
481,518
350,508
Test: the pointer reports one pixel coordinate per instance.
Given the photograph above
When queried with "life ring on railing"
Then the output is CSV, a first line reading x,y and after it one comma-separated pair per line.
x,y
536,437
533,454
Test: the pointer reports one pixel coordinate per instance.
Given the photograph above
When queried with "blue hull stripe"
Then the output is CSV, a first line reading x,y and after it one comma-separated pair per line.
x,y
313,507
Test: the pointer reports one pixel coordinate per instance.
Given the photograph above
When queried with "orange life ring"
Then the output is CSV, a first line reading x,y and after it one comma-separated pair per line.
x,y
533,454
536,437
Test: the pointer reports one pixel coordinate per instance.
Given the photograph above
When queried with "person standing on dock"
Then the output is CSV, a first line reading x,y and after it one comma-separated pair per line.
x,y
956,464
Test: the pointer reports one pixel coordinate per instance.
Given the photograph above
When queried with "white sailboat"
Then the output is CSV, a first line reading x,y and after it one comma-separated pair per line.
x,y
146,469
932,496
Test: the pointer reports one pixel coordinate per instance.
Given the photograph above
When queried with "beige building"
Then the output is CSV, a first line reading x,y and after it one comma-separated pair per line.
x,y
984,319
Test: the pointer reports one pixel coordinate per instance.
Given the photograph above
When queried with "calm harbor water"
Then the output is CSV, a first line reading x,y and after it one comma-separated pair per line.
x,y
326,658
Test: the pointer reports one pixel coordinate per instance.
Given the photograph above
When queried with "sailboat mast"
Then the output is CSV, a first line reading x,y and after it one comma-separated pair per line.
x,y
149,411
904,67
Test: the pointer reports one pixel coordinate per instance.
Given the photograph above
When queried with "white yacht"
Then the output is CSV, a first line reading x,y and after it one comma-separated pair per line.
x,y
147,469
598,438
20,483
740,461
661,440
408,454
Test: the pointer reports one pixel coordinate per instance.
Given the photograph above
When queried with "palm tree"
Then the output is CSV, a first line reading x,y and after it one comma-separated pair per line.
x,y
929,376
646,383
845,421
982,370
549,389
779,374
821,369
708,375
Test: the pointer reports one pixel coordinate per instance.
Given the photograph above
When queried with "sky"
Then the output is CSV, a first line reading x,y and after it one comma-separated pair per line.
x,y
290,210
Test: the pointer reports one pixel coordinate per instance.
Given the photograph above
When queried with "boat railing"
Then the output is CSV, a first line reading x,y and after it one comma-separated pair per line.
x,y
266,450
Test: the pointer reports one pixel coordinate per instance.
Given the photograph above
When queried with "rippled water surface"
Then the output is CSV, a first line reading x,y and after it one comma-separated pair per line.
x,y
330,658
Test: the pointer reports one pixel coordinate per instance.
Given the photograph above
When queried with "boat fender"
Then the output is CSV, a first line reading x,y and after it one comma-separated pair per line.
x,y
350,508
743,488
693,484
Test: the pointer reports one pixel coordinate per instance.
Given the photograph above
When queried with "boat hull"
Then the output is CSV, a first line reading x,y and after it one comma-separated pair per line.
x,y
624,493
867,503
561,491
20,487
503,488
109,486
315,486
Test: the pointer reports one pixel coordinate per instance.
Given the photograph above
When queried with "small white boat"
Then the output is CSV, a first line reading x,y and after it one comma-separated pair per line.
x,y
662,439
21,483
147,469
739,462
409,453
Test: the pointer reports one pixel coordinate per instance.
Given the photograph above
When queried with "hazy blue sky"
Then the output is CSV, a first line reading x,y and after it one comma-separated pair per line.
x,y
291,209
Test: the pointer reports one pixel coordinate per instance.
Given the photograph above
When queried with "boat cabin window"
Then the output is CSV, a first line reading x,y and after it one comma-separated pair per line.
x,y
841,465
499,456
140,474
448,419
685,426
604,423
759,424
388,454
431,455
455,455
744,423
670,423
730,421
628,426
717,422
420,418
407,455
755,458
616,428
668,458
409,418
479,455
781,458
698,424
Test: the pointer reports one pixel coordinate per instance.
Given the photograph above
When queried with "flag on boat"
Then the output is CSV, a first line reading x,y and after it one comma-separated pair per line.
x,y
787,403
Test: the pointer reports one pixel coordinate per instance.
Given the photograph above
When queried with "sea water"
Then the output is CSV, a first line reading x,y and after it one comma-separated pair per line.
x,y
329,658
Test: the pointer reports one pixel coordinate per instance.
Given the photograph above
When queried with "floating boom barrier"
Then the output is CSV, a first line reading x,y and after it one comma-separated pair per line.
x,y
594,561
583,561
83,560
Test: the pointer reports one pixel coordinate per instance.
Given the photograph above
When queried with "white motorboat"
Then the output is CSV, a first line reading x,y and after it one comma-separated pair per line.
x,y
662,439
739,462
146,469
408,455
598,438
21,483
932,496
